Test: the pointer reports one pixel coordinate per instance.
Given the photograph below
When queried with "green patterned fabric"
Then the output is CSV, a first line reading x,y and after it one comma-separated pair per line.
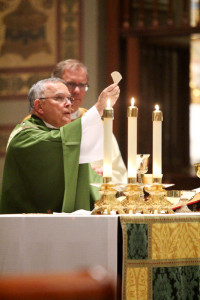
x,y
137,241
161,257
178,283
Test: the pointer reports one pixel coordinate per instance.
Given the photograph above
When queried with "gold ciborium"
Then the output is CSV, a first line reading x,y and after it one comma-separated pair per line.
x,y
197,169
142,165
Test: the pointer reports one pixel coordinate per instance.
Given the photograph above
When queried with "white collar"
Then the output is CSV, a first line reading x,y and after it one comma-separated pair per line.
x,y
76,114
49,125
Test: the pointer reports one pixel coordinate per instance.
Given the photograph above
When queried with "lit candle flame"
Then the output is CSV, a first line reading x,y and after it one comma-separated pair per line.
x,y
132,101
108,103
157,107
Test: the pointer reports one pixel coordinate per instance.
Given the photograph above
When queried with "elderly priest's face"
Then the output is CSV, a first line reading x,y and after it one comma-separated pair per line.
x,y
55,106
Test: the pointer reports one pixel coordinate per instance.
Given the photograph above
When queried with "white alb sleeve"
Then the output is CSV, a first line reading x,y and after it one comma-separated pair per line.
x,y
92,137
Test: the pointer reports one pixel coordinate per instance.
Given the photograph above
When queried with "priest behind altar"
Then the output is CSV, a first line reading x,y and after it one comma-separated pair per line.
x,y
46,167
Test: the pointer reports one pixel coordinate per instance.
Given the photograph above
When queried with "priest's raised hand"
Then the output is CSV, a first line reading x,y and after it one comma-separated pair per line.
x,y
112,93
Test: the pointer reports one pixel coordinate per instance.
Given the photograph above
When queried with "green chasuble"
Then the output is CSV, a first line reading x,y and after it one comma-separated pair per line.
x,y
42,171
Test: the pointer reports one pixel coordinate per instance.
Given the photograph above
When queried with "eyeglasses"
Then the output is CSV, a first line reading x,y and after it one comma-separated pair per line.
x,y
59,98
72,85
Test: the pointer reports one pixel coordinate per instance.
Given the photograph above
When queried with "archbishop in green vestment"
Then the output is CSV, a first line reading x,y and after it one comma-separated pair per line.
x,y
47,166
42,171
47,169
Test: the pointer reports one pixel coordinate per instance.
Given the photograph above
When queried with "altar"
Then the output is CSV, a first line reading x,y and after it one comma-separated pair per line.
x,y
39,243
160,257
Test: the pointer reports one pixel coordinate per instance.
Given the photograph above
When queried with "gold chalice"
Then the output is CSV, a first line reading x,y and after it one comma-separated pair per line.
x,y
142,165
197,169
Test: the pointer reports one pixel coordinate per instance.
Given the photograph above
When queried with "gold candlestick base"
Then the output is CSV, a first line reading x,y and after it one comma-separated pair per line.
x,y
108,203
134,201
157,202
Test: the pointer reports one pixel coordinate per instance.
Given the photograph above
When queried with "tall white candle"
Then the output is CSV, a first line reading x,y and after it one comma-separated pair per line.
x,y
132,114
157,142
108,129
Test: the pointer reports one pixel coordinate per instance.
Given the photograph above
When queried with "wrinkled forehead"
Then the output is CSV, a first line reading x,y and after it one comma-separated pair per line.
x,y
56,87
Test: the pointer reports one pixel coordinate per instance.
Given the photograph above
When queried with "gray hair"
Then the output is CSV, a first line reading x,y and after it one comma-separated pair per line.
x,y
37,90
68,64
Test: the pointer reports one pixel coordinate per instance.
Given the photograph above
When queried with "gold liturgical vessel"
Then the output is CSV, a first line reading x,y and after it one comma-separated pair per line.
x,y
142,166
108,203
134,197
157,201
133,191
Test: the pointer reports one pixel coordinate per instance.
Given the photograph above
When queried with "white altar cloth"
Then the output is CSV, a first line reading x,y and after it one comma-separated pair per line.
x,y
38,243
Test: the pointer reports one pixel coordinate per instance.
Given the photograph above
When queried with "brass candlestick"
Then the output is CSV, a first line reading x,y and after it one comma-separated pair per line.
x,y
157,202
134,201
108,202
